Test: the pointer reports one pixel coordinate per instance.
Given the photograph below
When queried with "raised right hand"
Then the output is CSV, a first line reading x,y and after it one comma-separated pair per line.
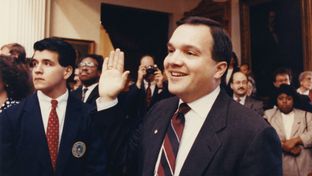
x,y
113,77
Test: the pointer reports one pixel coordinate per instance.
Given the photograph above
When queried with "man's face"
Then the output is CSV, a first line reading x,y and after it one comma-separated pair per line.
x,y
88,72
281,79
48,75
239,84
285,103
147,61
191,71
244,69
306,82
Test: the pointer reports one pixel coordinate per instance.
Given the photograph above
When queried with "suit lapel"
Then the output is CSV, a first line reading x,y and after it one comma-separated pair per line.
x,y
277,123
34,129
207,142
155,135
297,122
71,125
248,102
93,95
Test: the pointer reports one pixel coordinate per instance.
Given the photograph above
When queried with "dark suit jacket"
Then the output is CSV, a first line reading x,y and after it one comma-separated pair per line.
x,y
255,105
24,148
92,97
136,99
232,141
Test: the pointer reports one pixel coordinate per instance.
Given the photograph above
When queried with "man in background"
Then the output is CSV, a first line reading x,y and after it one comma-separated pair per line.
x,y
239,85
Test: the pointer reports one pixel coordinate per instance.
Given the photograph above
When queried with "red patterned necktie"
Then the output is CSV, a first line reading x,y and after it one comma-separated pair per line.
x,y
53,133
148,95
172,141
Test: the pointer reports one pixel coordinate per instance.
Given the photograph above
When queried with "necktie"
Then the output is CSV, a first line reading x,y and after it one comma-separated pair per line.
x,y
148,95
172,141
83,94
53,133
238,100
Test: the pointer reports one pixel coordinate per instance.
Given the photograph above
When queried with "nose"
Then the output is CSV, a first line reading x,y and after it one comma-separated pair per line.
x,y
38,69
174,58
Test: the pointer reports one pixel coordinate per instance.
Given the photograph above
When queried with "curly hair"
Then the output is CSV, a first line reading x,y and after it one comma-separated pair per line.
x,y
15,80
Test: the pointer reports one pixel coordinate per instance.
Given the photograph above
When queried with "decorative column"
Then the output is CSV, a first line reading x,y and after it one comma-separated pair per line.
x,y
23,22
306,16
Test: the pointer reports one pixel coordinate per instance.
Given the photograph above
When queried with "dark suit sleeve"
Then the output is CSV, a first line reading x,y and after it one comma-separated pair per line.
x,y
264,155
7,145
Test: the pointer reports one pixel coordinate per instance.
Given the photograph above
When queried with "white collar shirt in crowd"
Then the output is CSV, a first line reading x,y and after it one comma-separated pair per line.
x,y
303,93
90,89
45,107
288,121
194,120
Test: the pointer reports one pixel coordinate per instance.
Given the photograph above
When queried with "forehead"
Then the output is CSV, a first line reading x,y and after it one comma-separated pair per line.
x,y
282,76
198,36
147,60
89,59
46,55
239,76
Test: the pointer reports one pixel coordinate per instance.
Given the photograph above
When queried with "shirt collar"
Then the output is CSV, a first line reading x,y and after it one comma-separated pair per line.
x,y
90,87
203,105
44,98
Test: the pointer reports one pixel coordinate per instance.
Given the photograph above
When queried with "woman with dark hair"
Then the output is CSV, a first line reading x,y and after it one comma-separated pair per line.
x,y
294,128
14,83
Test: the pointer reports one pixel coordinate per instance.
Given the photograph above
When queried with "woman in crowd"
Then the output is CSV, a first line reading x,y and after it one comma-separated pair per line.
x,y
14,84
294,128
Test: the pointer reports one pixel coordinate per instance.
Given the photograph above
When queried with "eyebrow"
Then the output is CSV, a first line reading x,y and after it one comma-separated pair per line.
x,y
185,47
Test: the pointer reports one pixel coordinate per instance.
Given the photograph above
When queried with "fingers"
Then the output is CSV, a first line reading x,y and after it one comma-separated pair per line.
x,y
115,60
120,62
105,63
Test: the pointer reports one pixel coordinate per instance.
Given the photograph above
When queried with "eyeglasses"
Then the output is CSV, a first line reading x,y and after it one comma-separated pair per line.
x,y
87,64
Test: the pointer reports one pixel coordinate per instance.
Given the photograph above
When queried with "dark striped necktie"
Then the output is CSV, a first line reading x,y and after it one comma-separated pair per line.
x,y
172,141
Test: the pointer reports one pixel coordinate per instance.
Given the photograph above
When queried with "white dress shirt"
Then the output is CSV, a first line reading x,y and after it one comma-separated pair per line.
x,y
45,108
90,89
153,86
288,121
194,120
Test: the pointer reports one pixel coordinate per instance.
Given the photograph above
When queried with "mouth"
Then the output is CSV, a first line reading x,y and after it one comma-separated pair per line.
x,y
177,74
38,79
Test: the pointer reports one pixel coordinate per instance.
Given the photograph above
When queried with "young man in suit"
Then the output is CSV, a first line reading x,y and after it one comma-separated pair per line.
x,y
239,85
219,136
89,73
50,133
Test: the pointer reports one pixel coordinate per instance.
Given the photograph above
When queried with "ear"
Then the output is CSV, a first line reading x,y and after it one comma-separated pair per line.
x,y
275,84
68,72
231,85
220,69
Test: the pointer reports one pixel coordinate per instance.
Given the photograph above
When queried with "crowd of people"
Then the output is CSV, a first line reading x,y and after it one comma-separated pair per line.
x,y
200,116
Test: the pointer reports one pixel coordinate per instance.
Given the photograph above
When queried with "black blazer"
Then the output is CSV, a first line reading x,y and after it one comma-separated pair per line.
x,y
24,148
233,140
92,97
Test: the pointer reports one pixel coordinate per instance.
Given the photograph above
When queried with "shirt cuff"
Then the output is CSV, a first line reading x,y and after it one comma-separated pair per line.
x,y
102,105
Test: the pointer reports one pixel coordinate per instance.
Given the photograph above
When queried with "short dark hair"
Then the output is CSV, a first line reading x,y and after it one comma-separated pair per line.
x,y
66,53
282,71
99,59
288,90
15,80
222,45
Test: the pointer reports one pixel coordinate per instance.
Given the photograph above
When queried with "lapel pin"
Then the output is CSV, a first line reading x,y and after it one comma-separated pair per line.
x,y
155,131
